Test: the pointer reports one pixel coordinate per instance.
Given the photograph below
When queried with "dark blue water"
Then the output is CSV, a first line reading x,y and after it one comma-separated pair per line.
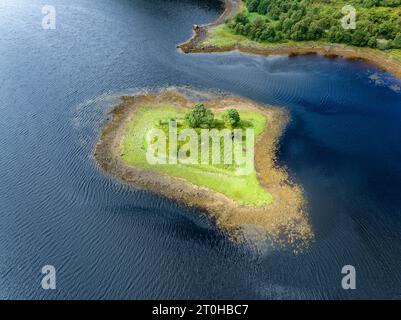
x,y
110,241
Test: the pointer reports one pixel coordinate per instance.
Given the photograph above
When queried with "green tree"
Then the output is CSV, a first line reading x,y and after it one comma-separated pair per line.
x,y
359,38
263,6
396,43
200,117
252,5
268,34
231,118
241,18
315,31
372,42
386,29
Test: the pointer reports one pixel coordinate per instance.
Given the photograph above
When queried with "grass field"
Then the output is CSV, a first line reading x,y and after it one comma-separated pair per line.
x,y
243,189
221,36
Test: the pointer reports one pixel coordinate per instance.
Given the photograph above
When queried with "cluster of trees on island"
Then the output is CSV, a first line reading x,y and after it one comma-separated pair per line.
x,y
201,117
378,22
200,137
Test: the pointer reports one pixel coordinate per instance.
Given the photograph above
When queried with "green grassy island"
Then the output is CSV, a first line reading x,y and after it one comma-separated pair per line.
x,y
261,201
307,26
244,189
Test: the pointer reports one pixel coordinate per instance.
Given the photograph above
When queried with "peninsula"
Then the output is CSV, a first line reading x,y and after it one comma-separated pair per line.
x,y
261,203
297,27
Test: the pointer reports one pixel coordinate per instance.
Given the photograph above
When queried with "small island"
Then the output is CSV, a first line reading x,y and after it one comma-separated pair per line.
x,y
299,27
257,201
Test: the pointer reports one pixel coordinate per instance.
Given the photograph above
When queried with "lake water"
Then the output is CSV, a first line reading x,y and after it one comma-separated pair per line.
x,y
107,240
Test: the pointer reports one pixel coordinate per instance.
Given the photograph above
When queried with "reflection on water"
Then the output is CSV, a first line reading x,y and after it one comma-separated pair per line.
x,y
107,240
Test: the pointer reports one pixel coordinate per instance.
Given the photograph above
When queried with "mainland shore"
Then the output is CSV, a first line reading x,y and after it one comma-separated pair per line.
x,y
198,44
284,221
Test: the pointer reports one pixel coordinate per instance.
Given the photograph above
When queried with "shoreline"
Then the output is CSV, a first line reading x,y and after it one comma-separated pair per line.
x,y
283,222
375,57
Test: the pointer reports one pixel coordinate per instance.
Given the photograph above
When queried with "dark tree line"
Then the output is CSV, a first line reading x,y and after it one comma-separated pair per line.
x,y
378,23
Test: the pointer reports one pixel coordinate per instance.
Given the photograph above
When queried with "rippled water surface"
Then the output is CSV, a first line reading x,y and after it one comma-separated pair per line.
x,y
111,241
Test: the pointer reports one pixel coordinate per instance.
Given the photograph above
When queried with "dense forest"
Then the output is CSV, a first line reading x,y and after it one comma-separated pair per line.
x,y
378,22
